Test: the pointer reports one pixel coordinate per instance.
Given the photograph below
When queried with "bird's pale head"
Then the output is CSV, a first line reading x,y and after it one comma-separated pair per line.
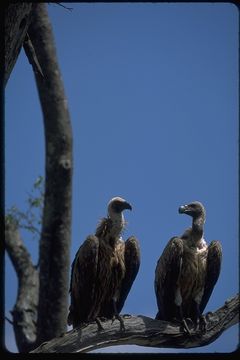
x,y
116,205
194,209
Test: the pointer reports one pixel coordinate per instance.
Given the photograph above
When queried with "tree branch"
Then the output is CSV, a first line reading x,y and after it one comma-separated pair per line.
x,y
31,55
56,224
25,310
16,22
144,331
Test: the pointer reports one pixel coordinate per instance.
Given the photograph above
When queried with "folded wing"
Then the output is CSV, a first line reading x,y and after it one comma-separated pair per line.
x,y
166,275
132,263
214,260
82,284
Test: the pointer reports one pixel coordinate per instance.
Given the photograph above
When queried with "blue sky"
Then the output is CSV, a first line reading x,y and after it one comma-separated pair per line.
x,y
153,97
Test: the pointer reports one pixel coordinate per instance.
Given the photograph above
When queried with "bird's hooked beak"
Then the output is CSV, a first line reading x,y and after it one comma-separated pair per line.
x,y
127,206
183,209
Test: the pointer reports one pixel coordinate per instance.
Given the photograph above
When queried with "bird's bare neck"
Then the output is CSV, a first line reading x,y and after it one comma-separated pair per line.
x,y
118,224
197,229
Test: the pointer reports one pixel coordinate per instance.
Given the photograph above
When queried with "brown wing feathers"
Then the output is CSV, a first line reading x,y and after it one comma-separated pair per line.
x,y
83,276
104,269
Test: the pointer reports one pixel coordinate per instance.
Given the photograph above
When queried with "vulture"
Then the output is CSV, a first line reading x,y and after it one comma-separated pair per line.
x,y
187,272
104,269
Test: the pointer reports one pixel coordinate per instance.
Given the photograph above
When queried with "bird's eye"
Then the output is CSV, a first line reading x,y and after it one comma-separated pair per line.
x,y
116,206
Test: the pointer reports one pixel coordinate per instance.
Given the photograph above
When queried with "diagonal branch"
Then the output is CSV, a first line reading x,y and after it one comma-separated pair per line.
x,y
25,310
31,55
17,17
144,331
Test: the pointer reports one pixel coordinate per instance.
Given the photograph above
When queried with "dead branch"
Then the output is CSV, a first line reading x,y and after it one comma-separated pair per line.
x,y
24,312
31,55
144,331
17,17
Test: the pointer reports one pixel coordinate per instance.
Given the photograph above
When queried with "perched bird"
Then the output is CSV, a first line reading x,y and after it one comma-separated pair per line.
x,y
187,272
104,270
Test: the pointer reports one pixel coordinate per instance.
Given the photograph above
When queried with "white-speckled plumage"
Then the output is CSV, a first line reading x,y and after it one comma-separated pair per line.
x,y
104,268
187,270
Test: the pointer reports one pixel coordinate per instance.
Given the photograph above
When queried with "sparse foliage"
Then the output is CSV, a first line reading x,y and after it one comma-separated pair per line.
x,y
31,218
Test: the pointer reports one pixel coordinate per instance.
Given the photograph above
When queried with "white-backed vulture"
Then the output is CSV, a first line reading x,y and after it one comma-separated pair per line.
x,y
187,271
104,269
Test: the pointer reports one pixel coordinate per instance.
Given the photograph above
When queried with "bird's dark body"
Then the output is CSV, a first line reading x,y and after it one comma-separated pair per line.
x,y
113,258
192,278
111,267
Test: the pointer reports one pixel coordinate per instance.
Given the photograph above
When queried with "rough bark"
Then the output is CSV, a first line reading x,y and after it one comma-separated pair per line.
x,y
16,21
45,314
144,331
24,312
55,238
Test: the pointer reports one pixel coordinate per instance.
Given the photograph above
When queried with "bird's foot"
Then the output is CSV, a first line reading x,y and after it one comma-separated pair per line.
x,y
100,327
82,325
201,324
120,319
103,318
185,323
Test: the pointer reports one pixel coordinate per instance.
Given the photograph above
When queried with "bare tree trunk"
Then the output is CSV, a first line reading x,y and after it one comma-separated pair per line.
x,y
24,312
49,310
56,228
144,331
16,21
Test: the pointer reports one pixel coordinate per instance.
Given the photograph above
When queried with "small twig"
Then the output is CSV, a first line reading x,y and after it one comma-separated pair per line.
x,y
31,55
65,7
10,321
